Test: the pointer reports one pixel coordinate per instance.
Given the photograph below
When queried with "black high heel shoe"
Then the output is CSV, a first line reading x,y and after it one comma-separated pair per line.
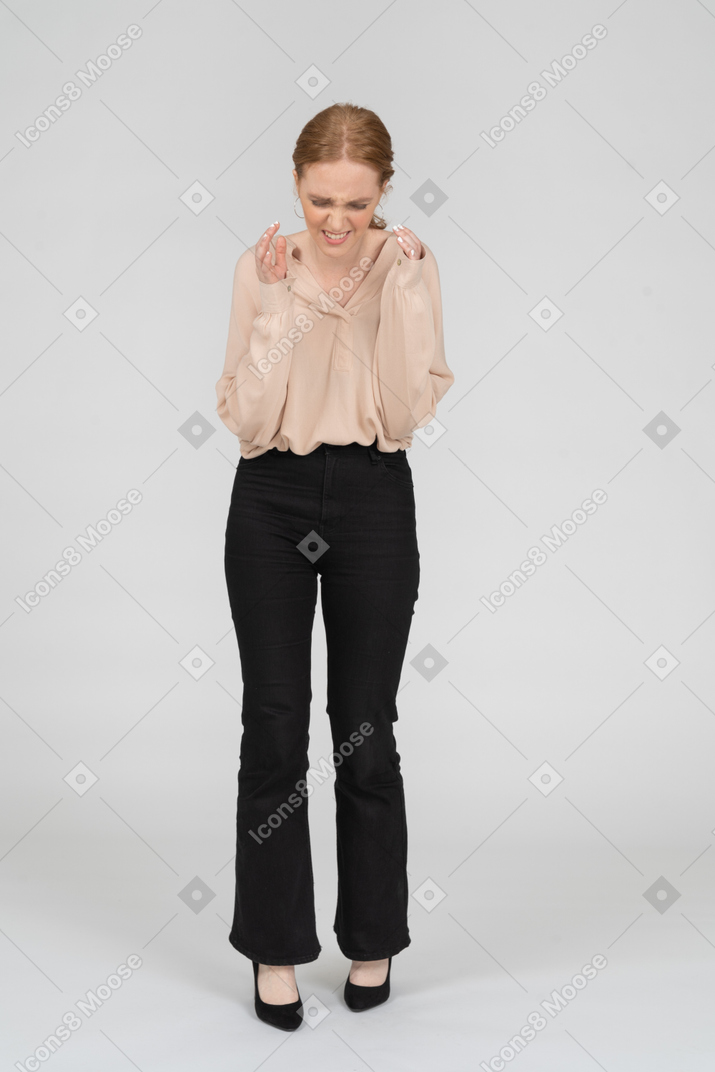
x,y
359,998
286,1017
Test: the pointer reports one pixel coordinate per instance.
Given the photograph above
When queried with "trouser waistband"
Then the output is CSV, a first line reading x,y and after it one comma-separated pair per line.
x,y
352,448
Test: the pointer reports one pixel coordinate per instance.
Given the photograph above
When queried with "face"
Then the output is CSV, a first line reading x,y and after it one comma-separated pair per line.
x,y
340,198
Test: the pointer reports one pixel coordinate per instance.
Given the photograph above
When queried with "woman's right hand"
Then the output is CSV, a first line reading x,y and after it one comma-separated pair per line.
x,y
267,271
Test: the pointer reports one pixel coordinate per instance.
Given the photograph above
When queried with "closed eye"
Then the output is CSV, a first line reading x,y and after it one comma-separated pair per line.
x,y
323,204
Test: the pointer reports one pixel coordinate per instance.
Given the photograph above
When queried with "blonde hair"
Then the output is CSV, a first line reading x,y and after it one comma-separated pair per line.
x,y
346,132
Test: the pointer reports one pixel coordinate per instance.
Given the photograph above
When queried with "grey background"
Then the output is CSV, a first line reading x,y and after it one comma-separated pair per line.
x,y
529,879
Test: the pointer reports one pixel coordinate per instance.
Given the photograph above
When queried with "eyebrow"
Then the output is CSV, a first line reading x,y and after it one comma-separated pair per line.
x,y
319,197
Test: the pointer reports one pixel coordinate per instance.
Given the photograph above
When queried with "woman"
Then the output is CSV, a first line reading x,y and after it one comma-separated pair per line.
x,y
335,356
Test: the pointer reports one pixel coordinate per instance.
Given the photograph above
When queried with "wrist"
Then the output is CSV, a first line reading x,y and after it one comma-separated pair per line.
x,y
277,296
408,272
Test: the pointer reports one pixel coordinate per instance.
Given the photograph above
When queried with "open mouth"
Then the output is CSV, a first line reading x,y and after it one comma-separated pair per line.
x,y
335,239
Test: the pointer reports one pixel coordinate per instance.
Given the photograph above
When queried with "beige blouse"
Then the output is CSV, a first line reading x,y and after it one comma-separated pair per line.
x,y
302,370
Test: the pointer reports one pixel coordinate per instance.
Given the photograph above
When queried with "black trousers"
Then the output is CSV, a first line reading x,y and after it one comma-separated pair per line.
x,y
345,514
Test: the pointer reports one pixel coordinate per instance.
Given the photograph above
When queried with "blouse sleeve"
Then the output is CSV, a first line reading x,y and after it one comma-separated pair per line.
x,y
411,374
252,391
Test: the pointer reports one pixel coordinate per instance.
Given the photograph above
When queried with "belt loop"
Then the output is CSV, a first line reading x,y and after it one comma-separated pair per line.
x,y
373,451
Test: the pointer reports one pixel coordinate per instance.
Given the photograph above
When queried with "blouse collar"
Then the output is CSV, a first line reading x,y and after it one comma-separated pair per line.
x,y
309,287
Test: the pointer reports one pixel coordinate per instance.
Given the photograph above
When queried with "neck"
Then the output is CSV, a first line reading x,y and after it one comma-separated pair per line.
x,y
340,264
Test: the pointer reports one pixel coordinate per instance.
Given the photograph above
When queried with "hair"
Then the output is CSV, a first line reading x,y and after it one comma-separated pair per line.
x,y
346,132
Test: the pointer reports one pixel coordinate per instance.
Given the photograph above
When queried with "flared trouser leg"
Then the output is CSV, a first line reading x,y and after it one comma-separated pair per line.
x,y
272,591
366,628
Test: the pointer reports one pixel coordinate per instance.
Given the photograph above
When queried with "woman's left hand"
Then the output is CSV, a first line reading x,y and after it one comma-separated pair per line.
x,y
409,242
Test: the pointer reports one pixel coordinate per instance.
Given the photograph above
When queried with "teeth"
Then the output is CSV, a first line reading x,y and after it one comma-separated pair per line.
x,y
330,234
